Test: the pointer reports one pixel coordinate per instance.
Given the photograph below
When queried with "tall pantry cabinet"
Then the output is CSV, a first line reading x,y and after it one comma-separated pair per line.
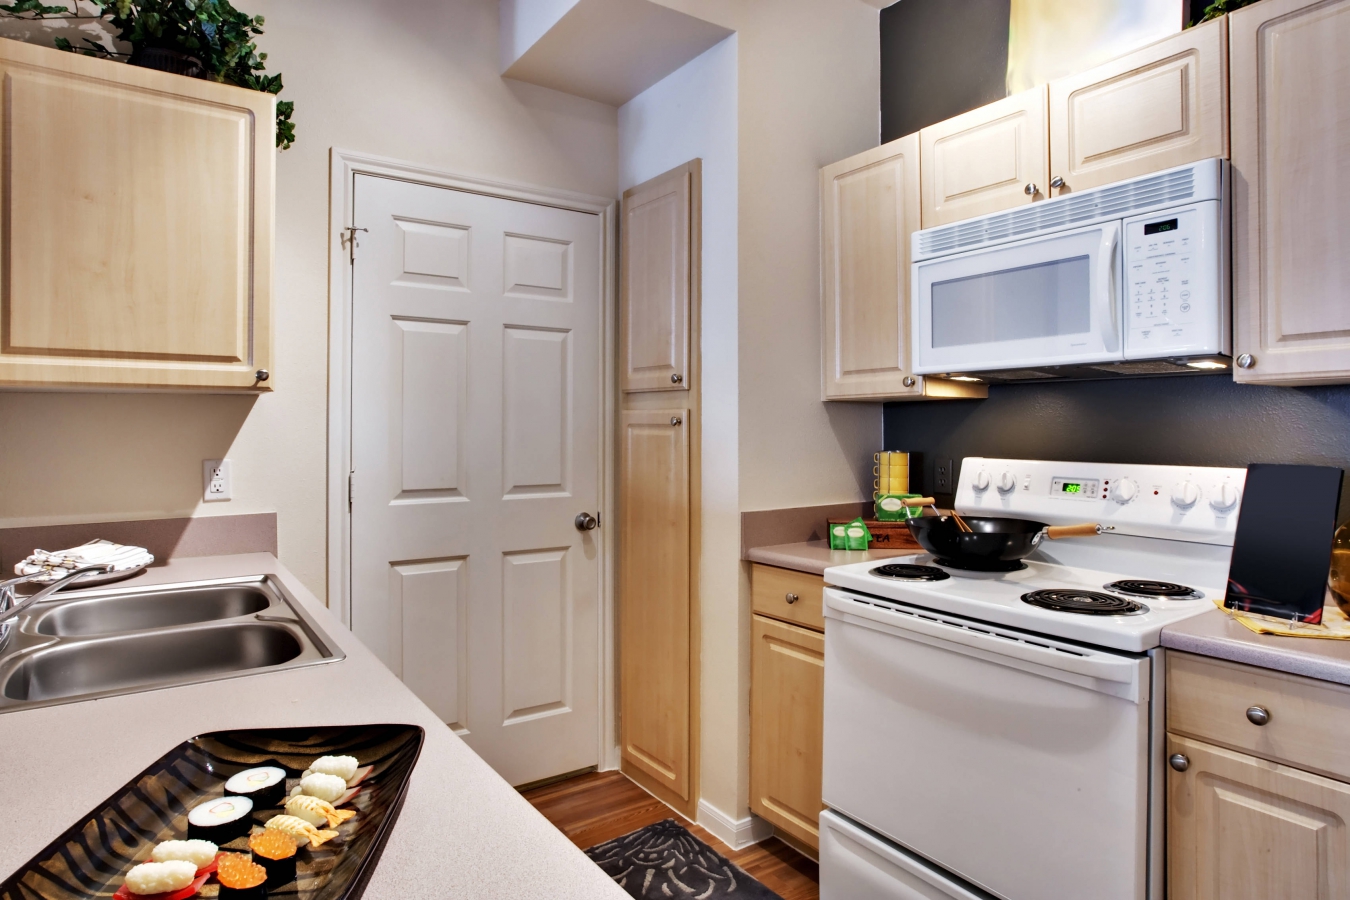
x,y
659,484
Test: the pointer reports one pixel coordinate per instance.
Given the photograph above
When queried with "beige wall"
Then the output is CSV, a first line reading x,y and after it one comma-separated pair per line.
x,y
411,79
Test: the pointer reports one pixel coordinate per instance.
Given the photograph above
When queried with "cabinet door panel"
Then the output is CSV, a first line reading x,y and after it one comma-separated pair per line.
x,y
655,279
1162,106
787,696
1291,128
869,208
137,240
1241,828
654,594
982,161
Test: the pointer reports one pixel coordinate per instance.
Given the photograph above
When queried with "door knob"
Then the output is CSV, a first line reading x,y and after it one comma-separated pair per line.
x,y
676,420
1246,361
1258,715
585,522
790,598
1179,762
1057,182
1030,190
677,379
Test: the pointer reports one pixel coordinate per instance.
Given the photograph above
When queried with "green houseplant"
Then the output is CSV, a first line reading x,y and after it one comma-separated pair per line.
x,y
199,38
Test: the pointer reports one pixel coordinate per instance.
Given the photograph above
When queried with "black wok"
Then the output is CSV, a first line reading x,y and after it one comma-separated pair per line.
x,y
992,544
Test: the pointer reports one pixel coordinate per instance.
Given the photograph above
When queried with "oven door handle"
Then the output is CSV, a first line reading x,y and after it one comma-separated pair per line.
x,y
976,639
1106,286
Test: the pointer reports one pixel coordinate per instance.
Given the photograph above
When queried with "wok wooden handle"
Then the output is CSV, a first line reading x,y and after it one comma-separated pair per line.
x,y
918,501
1064,531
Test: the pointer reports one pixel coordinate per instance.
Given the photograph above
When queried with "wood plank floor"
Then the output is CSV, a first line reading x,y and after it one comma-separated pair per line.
x,y
600,806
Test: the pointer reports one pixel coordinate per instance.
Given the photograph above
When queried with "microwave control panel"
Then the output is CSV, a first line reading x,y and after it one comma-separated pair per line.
x,y
1176,290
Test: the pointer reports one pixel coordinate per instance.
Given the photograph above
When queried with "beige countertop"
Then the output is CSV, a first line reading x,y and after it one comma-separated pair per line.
x,y
463,831
816,556
1214,634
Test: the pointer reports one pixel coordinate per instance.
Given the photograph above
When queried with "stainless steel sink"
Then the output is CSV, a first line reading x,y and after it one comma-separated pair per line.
x,y
98,643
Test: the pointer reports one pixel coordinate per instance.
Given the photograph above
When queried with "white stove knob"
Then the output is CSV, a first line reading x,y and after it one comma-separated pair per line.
x,y
1224,498
1185,494
981,482
1006,483
1124,490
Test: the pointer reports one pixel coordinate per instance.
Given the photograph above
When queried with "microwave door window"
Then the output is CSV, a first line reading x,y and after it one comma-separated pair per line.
x,y
1050,299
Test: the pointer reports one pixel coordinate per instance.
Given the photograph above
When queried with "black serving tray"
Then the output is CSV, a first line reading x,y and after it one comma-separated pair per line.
x,y
92,858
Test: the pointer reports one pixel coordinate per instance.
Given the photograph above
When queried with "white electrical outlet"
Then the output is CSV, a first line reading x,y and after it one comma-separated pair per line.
x,y
215,479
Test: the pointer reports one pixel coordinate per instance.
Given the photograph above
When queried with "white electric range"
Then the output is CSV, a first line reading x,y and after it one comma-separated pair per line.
x,y
1000,733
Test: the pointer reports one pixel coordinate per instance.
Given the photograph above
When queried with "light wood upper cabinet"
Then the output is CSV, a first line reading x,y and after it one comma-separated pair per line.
x,y
1161,106
1242,828
654,595
137,235
657,267
869,208
1291,197
985,160
787,703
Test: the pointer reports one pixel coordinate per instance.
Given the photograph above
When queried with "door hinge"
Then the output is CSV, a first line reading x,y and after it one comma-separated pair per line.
x,y
351,478
349,239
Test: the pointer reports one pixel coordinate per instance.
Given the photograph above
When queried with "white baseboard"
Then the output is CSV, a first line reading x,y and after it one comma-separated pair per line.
x,y
735,833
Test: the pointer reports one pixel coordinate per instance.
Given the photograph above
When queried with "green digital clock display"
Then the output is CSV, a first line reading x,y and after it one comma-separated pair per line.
x,y
1069,487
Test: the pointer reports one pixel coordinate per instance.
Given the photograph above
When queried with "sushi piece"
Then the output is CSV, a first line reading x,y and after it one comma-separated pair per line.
x,y
241,878
220,821
317,812
275,851
201,854
264,785
345,767
300,830
176,879
325,787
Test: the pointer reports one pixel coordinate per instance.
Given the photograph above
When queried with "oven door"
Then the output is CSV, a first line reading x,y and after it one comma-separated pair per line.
x,y
1044,301
1018,763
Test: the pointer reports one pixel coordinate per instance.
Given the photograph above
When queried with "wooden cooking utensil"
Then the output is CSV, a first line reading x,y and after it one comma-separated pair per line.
x,y
929,501
1088,529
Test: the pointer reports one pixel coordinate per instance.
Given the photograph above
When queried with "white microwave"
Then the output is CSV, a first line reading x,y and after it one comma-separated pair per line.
x,y
1126,279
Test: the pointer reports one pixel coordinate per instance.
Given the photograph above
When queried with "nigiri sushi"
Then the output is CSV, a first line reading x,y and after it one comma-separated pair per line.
x,y
317,812
325,787
300,829
343,767
200,853
161,877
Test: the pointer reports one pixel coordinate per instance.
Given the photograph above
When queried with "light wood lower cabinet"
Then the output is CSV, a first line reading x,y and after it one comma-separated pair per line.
x,y
787,704
1291,127
137,239
1251,811
1242,828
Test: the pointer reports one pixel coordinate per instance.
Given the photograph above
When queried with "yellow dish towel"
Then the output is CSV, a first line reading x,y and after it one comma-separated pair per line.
x,y
1335,625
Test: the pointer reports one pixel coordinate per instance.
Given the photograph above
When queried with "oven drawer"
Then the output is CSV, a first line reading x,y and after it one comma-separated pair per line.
x,y
1308,722
770,588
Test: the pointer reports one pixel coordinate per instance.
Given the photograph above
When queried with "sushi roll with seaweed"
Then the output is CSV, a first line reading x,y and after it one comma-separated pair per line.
x,y
221,820
241,878
317,812
300,830
275,851
264,785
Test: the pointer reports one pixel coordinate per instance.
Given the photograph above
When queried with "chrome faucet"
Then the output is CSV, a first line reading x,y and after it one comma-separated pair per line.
x,y
12,605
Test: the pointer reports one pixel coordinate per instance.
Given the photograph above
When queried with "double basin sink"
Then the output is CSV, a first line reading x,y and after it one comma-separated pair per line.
x,y
81,645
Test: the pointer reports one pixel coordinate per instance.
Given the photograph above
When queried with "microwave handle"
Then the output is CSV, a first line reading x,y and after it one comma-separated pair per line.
x,y
1107,283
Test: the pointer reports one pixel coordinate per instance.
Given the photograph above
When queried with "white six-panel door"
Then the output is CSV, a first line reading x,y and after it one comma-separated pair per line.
x,y
476,384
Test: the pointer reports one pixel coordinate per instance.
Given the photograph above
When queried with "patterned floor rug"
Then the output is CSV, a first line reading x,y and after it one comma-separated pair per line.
x,y
664,860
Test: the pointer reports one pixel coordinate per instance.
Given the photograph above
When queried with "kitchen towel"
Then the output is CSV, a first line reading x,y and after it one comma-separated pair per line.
x,y
47,566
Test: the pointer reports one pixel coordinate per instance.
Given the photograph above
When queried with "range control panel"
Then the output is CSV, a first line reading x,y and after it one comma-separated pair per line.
x,y
1175,292
1190,503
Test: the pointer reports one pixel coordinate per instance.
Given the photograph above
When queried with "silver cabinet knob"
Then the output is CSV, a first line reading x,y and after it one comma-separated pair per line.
x,y
790,598
1258,715
1031,190
908,381
1179,762
676,420
585,522
262,375
677,379
1246,361
1057,182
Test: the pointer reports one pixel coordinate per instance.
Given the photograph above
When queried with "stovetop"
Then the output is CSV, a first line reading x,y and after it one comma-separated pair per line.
x,y
1133,624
